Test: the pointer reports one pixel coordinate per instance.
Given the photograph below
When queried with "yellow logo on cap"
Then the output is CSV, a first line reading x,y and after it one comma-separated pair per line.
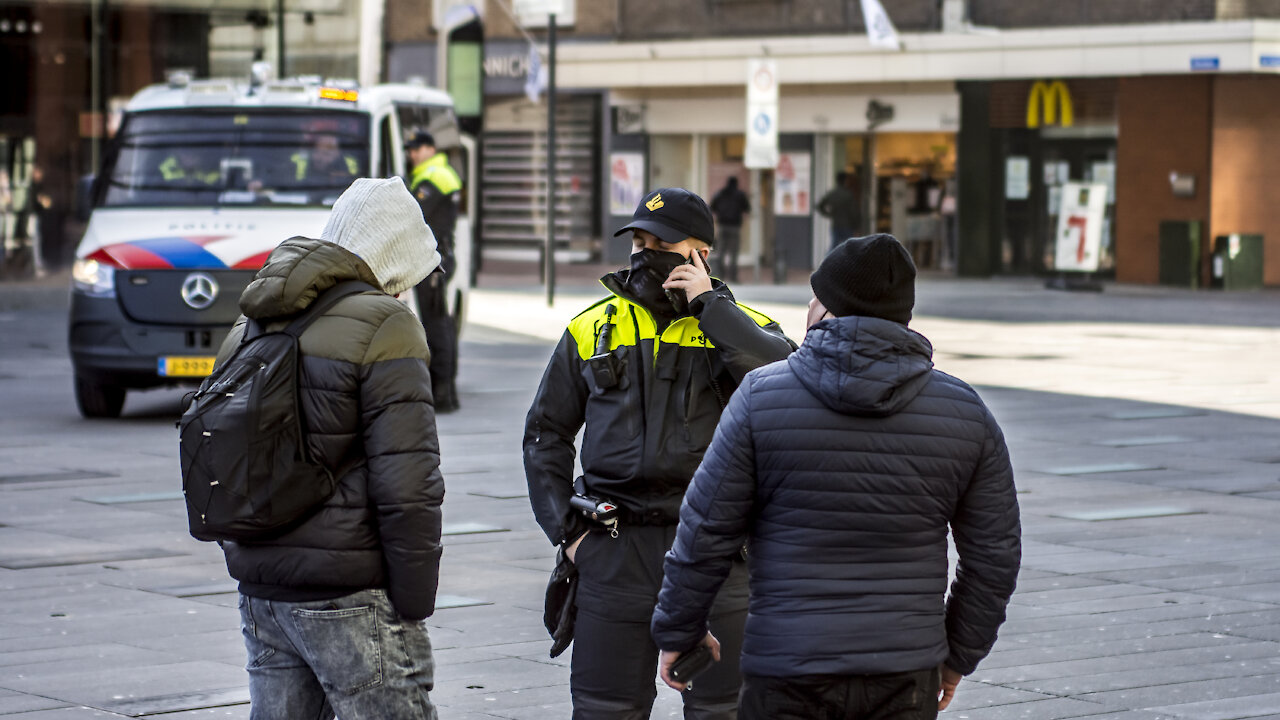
x,y
655,203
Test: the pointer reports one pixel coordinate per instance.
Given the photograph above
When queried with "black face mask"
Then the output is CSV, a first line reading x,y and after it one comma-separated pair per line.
x,y
649,269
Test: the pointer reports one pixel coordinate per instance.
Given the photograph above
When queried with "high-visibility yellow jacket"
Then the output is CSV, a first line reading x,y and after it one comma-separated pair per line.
x,y
646,434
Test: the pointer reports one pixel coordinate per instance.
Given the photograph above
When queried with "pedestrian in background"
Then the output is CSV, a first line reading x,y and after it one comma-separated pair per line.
x,y
435,185
729,205
843,468
648,370
840,206
332,611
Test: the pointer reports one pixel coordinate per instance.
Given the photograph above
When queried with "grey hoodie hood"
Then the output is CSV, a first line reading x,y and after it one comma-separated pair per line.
x,y
863,366
381,223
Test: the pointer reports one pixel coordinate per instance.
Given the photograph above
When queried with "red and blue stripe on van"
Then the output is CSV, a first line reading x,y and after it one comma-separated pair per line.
x,y
177,252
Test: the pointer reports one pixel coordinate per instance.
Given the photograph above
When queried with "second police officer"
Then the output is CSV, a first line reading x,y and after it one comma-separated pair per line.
x,y
648,370
435,185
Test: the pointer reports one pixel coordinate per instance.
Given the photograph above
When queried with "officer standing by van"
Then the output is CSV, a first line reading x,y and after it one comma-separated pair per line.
x,y
435,185
648,370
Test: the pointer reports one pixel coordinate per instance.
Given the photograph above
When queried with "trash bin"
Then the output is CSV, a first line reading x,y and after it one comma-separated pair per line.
x,y
1180,253
1237,262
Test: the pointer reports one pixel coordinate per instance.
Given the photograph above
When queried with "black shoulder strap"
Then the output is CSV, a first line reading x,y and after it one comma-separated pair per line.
x,y
324,301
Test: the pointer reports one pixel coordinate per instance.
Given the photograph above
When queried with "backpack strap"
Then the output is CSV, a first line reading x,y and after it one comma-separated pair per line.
x,y
324,301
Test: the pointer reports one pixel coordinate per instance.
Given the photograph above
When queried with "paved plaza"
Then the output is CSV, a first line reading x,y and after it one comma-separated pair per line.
x,y
1144,425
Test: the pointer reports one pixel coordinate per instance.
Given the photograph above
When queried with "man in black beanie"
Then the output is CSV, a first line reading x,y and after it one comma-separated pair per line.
x,y
843,468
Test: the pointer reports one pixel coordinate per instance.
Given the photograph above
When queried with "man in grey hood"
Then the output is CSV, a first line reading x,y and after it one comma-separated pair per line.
x,y
332,610
843,467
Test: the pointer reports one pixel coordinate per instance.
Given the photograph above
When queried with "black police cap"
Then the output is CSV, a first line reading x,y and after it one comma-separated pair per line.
x,y
419,139
673,214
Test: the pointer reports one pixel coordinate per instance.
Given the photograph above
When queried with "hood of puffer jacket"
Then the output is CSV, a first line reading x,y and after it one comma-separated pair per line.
x,y
863,366
297,271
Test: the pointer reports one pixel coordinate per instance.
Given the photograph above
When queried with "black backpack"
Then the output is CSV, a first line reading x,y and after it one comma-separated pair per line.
x,y
246,471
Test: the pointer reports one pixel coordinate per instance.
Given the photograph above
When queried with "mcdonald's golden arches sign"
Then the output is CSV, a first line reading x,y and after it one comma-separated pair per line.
x,y
1050,104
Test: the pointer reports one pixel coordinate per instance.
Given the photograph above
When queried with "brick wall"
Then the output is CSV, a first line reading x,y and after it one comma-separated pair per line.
x,y
645,19
1042,13
1164,125
410,21
1246,162
1237,9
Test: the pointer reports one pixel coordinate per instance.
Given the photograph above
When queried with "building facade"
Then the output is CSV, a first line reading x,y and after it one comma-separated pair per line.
x,y
949,139
958,142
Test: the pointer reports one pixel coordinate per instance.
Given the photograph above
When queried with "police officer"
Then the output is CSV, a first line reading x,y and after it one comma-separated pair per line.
x,y
184,167
648,370
325,163
435,186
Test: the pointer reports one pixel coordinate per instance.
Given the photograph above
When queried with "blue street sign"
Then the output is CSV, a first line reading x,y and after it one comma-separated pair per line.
x,y
1269,61
762,123
1204,63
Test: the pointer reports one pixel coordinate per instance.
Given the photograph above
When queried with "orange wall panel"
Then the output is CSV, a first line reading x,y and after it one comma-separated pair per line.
x,y
1246,162
1164,127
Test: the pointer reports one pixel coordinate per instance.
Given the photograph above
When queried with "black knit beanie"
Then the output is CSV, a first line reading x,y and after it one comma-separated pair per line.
x,y
871,276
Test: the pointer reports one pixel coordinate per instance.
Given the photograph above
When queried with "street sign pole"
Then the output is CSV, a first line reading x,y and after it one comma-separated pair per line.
x,y
550,254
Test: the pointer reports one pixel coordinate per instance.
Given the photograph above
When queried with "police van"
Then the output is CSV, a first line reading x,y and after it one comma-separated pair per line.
x,y
202,180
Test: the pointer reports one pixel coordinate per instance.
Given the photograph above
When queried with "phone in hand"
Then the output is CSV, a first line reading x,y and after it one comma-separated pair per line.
x,y
691,664
679,299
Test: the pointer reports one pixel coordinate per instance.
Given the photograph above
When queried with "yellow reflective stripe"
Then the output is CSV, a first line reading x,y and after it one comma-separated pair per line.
x,y
685,332
300,165
353,167
760,318
584,326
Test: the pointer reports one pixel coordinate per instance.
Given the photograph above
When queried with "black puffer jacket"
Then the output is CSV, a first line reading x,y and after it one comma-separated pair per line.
x,y
367,400
843,467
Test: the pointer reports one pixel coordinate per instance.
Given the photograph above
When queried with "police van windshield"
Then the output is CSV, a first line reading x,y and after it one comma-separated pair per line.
x,y
204,158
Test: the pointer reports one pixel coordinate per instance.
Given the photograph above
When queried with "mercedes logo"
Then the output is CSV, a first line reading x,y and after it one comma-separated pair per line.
x,y
199,290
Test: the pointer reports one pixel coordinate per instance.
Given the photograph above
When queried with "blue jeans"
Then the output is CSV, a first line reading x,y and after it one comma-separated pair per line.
x,y
354,656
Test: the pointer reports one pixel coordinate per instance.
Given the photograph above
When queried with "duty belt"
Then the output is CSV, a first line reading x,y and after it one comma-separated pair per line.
x,y
652,516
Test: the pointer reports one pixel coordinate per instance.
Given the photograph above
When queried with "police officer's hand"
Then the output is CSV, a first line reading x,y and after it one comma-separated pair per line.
x,y
669,658
694,278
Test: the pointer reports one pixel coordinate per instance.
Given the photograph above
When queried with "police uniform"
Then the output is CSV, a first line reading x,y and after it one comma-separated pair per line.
x,y
435,186
343,169
173,171
650,394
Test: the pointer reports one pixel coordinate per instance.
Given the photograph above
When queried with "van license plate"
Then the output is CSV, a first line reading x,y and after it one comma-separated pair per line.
x,y
184,366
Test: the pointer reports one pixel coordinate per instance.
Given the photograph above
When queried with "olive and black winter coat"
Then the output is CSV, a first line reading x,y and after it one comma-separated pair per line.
x,y
366,401
843,468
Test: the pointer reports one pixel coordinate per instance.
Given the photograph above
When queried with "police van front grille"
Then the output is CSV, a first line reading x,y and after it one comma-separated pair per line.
x,y
156,296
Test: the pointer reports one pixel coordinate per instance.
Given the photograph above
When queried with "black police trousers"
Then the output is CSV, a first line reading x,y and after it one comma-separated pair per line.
x,y
891,696
442,333
615,661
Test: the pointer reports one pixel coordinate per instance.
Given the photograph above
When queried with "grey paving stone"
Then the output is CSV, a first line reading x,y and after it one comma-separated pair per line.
x,y
1019,676
1258,706
13,703
64,713
1146,677
137,691
1192,691
1086,648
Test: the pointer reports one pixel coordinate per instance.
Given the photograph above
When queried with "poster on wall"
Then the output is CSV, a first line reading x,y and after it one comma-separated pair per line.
x,y
626,182
792,187
1017,177
1079,239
